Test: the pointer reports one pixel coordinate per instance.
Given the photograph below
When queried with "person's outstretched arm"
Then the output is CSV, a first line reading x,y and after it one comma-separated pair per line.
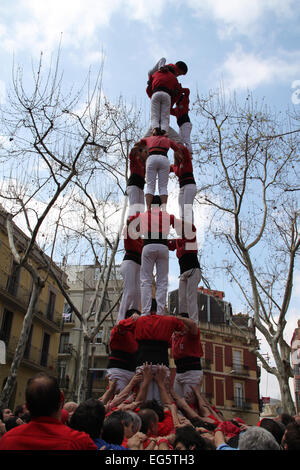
x,y
108,393
147,377
126,390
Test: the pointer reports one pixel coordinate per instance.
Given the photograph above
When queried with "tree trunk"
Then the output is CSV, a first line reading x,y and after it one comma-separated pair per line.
x,y
286,397
11,380
83,369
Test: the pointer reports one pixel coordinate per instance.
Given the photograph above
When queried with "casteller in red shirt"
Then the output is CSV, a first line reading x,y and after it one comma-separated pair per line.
x,y
45,433
153,334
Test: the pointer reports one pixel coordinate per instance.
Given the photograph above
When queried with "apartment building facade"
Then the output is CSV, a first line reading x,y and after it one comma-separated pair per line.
x,y
82,282
15,288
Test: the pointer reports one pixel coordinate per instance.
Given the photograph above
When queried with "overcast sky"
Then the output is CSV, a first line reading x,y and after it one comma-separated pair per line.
x,y
245,44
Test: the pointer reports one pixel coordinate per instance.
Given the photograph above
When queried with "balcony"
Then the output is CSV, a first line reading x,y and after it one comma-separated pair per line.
x,y
16,296
98,349
13,292
33,356
239,370
241,404
66,348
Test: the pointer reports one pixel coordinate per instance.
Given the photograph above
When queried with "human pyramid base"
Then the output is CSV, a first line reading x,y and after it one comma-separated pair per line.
x,y
144,407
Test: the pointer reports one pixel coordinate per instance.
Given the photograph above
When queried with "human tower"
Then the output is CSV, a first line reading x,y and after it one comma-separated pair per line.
x,y
143,330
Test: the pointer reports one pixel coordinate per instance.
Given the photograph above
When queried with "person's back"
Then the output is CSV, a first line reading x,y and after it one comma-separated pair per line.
x,y
45,431
45,434
165,80
257,438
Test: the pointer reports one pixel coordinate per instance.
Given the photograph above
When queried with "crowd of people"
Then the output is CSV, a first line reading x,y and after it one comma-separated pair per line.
x,y
128,421
144,407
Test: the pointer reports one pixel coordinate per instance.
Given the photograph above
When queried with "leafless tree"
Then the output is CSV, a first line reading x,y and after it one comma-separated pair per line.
x,y
248,176
59,145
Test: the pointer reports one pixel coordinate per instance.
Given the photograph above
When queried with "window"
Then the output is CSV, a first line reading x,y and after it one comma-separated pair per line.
x,y
99,337
51,305
237,360
13,279
28,344
67,313
64,345
6,326
45,350
238,395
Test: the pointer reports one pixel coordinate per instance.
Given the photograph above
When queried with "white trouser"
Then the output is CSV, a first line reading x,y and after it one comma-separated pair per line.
x,y
188,293
121,376
160,110
185,381
186,198
154,254
157,166
131,297
153,390
136,199
185,134
172,134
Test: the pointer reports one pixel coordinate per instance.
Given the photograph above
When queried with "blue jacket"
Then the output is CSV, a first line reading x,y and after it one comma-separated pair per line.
x,y
100,443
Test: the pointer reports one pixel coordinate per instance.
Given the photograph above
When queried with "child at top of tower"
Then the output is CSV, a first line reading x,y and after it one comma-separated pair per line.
x,y
163,89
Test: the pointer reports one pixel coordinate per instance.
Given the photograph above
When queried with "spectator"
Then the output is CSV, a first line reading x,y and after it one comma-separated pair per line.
x,y
291,438
45,430
89,417
187,438
149,422
127,419
20,411
137,422
70,407
5,414
285,419
113,431
257,438
276,428
13,422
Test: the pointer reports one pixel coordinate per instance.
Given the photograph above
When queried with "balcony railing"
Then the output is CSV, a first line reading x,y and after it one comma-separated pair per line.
x,y
238,369
99,349
66,348
19,297
241,404
33,357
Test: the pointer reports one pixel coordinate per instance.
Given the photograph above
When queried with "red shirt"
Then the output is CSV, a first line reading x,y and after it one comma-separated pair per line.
x,y
182,104
133,245
157,327
45,433
166,426
159,142
185,166
136,165
153,222
166,80
186,345
184,245
122,337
